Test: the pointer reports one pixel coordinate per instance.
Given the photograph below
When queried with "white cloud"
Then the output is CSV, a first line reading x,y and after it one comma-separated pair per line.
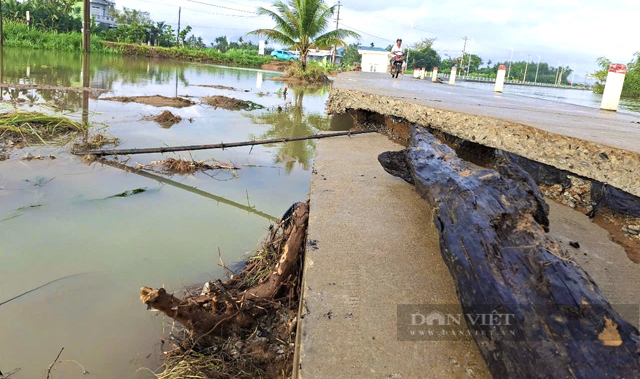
x,y
573,32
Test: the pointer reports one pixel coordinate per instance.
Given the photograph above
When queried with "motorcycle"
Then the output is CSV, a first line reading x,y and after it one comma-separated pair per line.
x,y
396,64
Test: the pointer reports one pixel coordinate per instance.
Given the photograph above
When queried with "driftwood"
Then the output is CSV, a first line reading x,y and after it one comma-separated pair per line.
x,y
166,149
492,237
236,304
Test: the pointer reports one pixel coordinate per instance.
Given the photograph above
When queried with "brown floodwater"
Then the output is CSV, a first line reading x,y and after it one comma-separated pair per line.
x,y
57,219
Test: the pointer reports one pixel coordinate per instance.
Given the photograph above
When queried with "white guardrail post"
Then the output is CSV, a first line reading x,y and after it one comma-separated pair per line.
x,y
434,74
452,77
613,87
502,70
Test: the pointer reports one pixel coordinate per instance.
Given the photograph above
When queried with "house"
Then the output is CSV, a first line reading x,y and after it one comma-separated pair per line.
x,y
100,10
321,55
374,59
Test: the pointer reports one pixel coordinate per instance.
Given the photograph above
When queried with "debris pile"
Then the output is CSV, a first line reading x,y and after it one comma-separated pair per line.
x,y
96,141
244,327
30,157
577,195
17,128
183,166
231,103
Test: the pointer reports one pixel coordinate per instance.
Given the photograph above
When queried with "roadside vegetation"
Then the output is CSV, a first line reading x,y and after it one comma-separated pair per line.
x,y
57,26
631,86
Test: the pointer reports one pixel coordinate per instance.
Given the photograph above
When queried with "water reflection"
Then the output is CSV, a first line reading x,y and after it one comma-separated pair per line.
x,y
292,121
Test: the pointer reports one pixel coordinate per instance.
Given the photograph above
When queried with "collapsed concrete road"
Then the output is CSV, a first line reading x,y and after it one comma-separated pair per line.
x,y
596,144
372,246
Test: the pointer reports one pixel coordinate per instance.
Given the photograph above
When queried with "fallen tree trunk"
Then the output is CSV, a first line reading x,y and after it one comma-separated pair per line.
x,y
492,228
235,304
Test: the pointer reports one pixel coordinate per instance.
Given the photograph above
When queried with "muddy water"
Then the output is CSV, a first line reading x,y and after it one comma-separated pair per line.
x,y
57,220
561,95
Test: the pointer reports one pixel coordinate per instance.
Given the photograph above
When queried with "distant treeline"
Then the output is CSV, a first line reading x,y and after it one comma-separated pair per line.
x,y
422,54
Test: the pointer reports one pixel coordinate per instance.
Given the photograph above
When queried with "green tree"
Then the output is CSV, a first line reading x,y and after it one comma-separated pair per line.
x,y
631,87
476,62
423,55
301,24
221,43
351,56
183,34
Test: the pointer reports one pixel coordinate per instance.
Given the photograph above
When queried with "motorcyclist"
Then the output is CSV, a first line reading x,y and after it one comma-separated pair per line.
x,y
396,50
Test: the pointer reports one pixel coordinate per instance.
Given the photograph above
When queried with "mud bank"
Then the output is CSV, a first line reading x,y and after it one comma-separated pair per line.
x,y
616,167
156,100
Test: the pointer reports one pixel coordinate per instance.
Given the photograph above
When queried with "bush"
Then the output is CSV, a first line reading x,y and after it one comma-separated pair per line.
x,y
315,72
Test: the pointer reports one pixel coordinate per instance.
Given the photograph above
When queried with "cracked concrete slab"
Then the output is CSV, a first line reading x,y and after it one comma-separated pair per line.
x,y
372,245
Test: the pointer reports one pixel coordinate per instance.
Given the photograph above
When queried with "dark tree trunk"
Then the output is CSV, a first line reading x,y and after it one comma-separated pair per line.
x,y
492,237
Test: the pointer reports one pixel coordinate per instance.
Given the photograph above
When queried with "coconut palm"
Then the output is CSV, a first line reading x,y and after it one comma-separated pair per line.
x,y
301,24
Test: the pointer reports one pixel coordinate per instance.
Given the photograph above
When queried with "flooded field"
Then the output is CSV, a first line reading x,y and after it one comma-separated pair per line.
x,y
60,222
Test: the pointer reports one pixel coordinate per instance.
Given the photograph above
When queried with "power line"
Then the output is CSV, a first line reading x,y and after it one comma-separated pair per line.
x,y
360,31
200,11
220,6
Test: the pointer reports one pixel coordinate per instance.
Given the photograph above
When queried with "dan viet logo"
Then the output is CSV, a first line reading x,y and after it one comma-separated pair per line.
x,y
440,319
448,322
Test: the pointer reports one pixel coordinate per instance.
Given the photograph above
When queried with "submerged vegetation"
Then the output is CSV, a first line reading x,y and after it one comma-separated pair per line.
x,y
35,127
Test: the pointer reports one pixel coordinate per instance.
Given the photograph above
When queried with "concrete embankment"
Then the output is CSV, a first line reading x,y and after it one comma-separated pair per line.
x,y
372,246
595,144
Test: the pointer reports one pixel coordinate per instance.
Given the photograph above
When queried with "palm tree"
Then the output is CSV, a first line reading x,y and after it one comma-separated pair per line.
x,y
301,24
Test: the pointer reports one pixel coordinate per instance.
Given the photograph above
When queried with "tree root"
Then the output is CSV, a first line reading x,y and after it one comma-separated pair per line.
x,y
264,292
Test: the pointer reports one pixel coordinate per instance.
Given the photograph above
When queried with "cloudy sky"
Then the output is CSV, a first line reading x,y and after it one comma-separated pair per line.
x,y
570,32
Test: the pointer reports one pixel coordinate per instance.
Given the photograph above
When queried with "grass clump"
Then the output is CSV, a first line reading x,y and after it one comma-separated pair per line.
x,y
36,127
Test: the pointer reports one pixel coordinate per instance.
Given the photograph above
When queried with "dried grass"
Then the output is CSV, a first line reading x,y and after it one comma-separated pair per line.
x,y
96,141
36,127
182,166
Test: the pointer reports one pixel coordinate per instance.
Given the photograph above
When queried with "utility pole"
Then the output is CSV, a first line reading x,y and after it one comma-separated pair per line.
x,y
464,49
1,30
86,26
526,66
178,33
333,56
560,76
470,55
510,59
537,68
